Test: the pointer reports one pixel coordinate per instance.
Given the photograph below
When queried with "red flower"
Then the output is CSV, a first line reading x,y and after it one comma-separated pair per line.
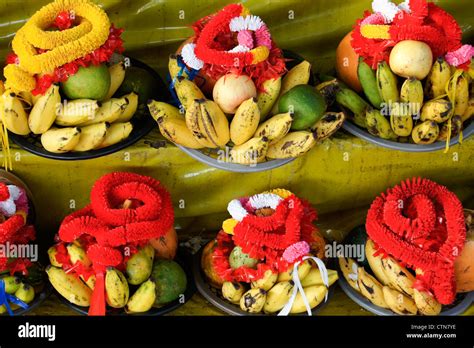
x,y
421,224
63,20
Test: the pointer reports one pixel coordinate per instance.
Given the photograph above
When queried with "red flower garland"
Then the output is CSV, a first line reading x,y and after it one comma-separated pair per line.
x,y
214,38
265,238
426,22
421,224
105,229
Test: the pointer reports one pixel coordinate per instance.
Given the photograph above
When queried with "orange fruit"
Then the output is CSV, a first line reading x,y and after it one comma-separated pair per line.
x,y
347,61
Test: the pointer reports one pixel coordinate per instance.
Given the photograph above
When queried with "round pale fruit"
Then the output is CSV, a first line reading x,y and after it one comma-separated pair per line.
x,y
411,59
347,61
238,258
92,82
231,90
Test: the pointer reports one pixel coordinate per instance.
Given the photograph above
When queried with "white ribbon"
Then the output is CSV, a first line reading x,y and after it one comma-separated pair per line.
x,y
298,287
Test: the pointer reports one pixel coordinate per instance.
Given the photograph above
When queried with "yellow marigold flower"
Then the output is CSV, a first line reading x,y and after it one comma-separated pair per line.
x,y
260,54
375,31
281,192
18,79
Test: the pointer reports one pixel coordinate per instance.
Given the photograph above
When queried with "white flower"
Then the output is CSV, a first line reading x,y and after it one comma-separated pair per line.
x,y
239,48
189,57
245,23
236,210
386,8
265,200
405,6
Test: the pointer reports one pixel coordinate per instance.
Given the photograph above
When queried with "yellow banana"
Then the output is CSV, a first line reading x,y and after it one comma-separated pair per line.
x,y
375,262
116,288
456,127
267,98
12,284
60,140
438,78
130,109
426,303
173,67
160,109
69,286
303,270
117,75
387,83
253,300
298,75
116,133
370,288
294,144
175,130
52,251
109,111
76,253
275,128
187,91
425,133
314,277
349,270
269,279
13,114
328,89
76,112
461,97
213,123
233,292
411,94
92,136
438,110
43,113
139,267
398,276
401,119
25,293
398,302
192,117
143,299
314,294
245,121
469,110
251,152
378,125
328,125
278,296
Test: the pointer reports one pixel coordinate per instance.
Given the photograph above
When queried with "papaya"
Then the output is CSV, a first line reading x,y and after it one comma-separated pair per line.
x,y
166,246
464,263
170,280
207,265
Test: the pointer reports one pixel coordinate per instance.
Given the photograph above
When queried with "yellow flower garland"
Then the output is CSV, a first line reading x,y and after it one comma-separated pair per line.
x,y
63,46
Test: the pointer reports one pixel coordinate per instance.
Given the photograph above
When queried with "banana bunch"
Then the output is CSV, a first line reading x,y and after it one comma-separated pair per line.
x,y
273,291
118,284
405,109
254,134
388,284
17,287
71,125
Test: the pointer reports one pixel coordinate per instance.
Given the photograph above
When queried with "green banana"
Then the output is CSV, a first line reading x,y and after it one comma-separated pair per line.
x,y
143,299
25,293
387,83
12,284
116,287
139,267
352,101
253,300
368,81
378,125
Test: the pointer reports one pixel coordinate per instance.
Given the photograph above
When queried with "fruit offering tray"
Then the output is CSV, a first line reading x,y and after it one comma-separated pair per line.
x,y
183,259
141,122
214,295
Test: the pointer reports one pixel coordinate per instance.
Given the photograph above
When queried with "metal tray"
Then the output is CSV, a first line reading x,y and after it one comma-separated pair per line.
x,y
214,295
183,260
142,122
436,146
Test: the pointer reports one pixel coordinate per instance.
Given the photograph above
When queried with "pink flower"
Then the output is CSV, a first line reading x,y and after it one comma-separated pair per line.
x,y
245,38
296,251
460,56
